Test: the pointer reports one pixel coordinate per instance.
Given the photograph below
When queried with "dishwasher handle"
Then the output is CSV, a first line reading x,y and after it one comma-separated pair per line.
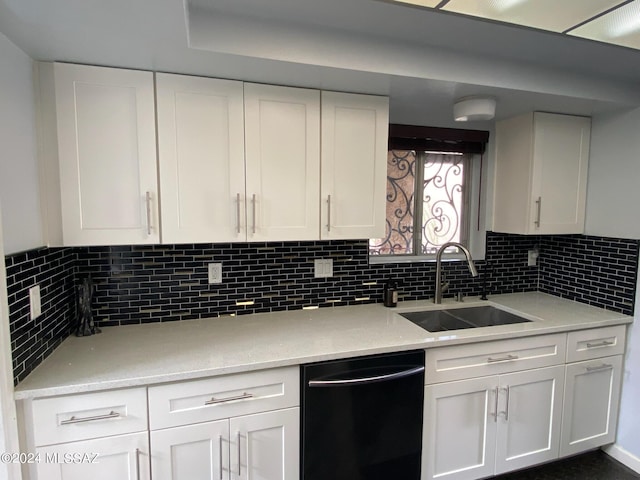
x,y
366,380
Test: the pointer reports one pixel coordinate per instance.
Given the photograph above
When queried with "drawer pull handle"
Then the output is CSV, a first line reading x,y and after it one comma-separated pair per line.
x,y
502,359
604,366
214,400
604,343
75,419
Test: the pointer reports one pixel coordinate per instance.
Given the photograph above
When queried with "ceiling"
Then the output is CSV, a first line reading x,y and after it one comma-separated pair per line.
x,y
611,21
422,58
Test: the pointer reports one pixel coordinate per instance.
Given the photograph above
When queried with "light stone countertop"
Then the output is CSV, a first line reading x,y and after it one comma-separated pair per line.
x,y
164,352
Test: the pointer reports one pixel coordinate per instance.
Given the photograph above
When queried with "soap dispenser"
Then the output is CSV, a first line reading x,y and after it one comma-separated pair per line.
x,y
390,295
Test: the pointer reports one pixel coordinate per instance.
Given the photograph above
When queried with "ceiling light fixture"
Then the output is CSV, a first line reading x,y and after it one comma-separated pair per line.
x,y
469,109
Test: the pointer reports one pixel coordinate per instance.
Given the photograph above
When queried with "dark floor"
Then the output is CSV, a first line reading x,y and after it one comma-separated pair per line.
x,y
595,465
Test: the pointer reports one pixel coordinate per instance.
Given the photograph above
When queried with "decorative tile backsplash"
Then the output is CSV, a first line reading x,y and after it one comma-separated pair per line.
x,y
594,270
33,340
141,284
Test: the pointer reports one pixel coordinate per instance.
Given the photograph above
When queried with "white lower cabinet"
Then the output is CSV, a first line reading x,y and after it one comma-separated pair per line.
x,y
263,446
591,404
233,427
122,457
529,417
459,434
490,425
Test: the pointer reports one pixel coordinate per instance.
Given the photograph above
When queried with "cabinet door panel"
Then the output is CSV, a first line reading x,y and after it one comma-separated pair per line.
x,y
591,404
529,417
354,164
459,429
266,445
107,155
201,156
125,457
282,132
561,185
192,452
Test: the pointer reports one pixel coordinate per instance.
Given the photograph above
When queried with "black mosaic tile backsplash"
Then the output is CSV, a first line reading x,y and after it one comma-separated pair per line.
x,y
33,340
594,270
140,284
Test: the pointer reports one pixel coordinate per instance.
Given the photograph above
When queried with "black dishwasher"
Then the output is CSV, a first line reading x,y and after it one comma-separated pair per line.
x,y
362,418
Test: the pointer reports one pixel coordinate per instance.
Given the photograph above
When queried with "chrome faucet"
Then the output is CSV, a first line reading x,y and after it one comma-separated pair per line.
x,y
437,299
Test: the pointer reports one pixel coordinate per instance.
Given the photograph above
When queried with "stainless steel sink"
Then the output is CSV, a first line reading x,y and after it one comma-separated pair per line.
x,y
461,318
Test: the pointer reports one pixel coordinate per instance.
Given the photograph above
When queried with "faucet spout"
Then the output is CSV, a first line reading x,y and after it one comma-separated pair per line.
x,y
437,299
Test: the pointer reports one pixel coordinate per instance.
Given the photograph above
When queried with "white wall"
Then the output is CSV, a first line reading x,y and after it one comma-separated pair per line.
x,y
19,184
614,176
613,197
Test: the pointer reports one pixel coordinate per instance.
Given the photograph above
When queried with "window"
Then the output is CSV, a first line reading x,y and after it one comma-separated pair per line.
x,y
428,193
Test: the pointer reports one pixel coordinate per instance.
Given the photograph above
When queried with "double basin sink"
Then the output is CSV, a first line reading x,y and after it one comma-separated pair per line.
x,y
461,318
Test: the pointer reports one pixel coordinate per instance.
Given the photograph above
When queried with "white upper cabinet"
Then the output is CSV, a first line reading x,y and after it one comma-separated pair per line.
x,y
282,151
541,174
354,165
201,159
101,181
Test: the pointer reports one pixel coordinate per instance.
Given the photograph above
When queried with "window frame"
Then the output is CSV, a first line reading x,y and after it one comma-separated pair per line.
x,y
473,144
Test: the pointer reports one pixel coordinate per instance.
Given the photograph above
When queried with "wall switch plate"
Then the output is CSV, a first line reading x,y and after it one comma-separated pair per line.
x,y
323,267
215,273
35,304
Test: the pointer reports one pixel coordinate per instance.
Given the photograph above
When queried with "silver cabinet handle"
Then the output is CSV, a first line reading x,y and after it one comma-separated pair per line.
x,y
604,366
137,465
220,454
148,205
238,213
329,213
75,419
604,343
495,410
239,455
214,400
506,406
365,380
539,208
502,359
253,203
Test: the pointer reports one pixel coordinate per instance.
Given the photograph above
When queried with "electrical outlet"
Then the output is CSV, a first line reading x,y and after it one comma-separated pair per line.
x,y
215,273
323,267
35,304
532,258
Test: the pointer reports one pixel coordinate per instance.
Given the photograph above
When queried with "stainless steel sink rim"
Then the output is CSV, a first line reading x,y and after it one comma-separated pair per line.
x,y
462,318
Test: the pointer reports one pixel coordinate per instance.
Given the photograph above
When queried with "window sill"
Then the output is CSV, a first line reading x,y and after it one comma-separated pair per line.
x,y
382,259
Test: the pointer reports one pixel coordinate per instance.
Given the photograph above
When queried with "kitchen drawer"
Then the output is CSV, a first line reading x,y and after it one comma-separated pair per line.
x,y
496,357
221,397
89,415
595,343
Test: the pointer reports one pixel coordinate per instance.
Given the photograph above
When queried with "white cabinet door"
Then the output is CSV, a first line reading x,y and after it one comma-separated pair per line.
x,y
592,394
282,148
541,174
106,155
265,446
354,165
123,457
201,159
459,436
529,417
561,155
191,452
